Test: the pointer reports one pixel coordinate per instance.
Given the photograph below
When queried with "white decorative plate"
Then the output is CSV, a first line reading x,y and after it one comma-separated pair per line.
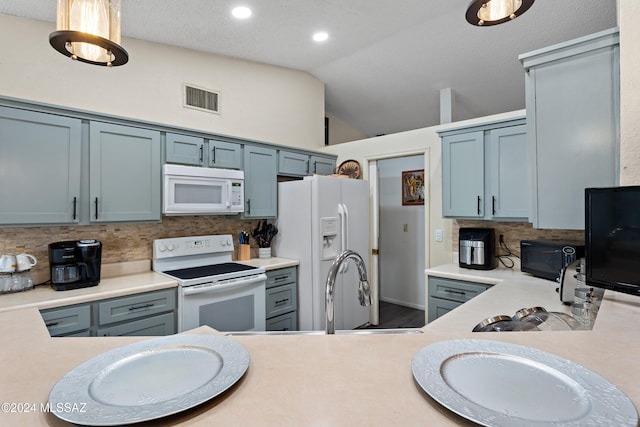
x,y
500,384
148,379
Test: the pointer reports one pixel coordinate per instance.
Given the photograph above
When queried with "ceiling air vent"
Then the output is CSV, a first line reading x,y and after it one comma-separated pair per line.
x,y
201,99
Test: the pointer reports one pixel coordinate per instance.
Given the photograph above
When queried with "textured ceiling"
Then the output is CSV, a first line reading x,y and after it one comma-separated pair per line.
x,y
385,61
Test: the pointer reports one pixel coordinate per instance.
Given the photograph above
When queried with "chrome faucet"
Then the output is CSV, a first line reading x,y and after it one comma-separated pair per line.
x,y
364,294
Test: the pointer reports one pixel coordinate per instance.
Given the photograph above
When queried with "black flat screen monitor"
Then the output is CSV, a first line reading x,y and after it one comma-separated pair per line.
x,y
612,238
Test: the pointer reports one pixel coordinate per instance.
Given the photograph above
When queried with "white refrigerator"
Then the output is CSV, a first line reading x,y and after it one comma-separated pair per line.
x,y
318,217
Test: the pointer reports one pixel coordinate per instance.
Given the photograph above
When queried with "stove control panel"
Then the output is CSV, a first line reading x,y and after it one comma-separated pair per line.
x,y
196,245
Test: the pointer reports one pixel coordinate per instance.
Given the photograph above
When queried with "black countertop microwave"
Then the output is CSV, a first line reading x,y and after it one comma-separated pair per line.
x,y
546,258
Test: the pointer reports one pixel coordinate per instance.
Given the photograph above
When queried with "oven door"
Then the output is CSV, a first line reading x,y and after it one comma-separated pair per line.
x,y
238,305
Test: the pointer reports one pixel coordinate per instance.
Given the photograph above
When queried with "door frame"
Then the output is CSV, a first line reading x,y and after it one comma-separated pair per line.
x,y
370,173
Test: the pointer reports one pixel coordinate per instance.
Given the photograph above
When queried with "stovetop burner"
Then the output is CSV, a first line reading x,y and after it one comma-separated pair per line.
x,y
209,270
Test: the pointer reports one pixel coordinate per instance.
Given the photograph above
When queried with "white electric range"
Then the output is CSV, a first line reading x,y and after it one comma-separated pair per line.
x,y
213,290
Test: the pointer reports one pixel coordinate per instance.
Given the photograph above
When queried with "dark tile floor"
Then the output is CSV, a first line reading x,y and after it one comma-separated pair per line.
x,y
398,316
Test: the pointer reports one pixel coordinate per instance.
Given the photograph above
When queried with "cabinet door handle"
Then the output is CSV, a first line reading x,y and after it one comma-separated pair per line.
x,y
451,291
315,167
96,202
248,206
280,278
48,325
213,153
140,307
493,205
307,172
75,199
201,153
478,205
282,301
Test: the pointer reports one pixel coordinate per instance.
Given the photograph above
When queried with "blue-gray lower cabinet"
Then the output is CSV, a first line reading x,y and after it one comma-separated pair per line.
x,y
281,300
124,173
146,314
260,165
40,164
68,321
160,325
446,294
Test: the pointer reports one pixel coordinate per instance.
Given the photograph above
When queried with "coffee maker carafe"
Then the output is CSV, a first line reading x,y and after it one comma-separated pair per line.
x,y
477,248
75,264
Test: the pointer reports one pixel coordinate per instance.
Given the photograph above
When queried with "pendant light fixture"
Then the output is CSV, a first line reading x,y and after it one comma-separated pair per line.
x,y
89,31
494,12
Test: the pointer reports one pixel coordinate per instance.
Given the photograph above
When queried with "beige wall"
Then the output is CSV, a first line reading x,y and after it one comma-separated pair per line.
x,y
628,16
258,101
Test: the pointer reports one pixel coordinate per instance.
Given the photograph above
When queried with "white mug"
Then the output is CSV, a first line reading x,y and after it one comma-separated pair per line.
x,y
8,263
25,262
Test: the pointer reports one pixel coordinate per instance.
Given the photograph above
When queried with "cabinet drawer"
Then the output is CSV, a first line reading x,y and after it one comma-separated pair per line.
x,y
280,277
439,307
454,290
164,324
280,300
285,322
136,306
66,321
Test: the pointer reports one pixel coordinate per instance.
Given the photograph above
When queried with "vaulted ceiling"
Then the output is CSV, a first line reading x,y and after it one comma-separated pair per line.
x,y
385,61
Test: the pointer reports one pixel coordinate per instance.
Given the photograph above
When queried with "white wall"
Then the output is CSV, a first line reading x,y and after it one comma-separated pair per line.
x,y
401,241
259,102
628,17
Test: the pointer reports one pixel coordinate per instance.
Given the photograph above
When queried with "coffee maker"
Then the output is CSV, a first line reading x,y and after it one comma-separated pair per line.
x,y
477,248
75,264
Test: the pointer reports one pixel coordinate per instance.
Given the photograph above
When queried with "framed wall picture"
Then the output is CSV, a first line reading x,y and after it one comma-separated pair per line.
x,y
413,187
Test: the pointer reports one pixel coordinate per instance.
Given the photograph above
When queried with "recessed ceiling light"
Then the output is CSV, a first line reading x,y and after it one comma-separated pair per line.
x,y
241,12
320,36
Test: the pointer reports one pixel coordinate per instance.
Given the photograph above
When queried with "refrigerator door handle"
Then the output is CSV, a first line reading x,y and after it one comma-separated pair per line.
x,y
343,211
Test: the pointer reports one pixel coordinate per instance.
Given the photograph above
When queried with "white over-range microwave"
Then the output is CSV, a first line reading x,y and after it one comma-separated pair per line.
x,y
190,190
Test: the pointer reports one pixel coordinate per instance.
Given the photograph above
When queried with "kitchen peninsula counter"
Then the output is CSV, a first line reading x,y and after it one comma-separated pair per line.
x,y
304,380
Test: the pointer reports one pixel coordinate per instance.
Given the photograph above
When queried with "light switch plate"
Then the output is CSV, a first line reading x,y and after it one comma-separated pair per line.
x,y
438,235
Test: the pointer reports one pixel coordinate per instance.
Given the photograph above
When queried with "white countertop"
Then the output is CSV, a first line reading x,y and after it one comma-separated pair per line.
x,y
511,290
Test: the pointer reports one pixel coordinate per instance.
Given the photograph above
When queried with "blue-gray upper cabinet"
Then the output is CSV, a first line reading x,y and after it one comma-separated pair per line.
x,y
224,154
485,172
463,175
291,163
40,163
573,104
184,149
321,165
196,151
124,166
507,173
260,166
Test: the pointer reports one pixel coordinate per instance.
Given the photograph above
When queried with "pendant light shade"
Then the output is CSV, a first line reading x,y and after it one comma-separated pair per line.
x,y
494,12
89,31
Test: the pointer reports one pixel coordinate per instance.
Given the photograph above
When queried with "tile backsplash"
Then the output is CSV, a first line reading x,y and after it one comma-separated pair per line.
x,y
120,241
513,232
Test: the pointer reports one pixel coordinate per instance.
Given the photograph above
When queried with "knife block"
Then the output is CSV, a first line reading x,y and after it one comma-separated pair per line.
x,y
244,252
